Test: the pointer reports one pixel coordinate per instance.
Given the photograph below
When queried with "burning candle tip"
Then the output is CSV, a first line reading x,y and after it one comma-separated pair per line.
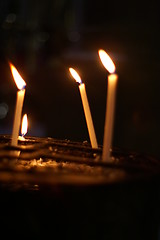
x,y
75,75
21,84
106,61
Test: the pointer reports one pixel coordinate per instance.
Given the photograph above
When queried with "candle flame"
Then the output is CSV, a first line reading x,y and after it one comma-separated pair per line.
x,y
17,78
107,61
24,127
75,75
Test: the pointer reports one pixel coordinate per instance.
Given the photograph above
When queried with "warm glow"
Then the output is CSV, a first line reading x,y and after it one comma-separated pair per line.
x,y
106,61
75,75
17,78
24,127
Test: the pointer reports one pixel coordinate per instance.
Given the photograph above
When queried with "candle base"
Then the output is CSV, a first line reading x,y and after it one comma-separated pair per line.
x,y
59,188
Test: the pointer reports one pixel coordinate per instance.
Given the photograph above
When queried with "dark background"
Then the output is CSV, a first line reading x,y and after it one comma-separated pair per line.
x,y
44,38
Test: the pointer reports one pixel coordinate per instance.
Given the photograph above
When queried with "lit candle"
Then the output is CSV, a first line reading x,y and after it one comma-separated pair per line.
x,y
86,108
24,127
110,105
19,104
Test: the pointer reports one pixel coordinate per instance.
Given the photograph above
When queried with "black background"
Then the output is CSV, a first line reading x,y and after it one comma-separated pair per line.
x,y
44,38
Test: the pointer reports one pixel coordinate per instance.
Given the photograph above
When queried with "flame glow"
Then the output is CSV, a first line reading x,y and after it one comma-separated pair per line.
x,y
24,127
17,78
75,75
107,61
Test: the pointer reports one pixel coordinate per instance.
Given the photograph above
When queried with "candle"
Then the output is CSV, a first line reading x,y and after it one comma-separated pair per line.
x,y
19,104
110,104
24,127
86,108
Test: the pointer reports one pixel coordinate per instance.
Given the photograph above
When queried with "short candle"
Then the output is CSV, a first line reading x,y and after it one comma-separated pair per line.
x,y
24,127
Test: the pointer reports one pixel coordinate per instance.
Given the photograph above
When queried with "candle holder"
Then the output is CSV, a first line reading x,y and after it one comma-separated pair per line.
x,y
61,188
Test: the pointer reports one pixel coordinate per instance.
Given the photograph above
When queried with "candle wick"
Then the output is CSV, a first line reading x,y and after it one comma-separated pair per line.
x,y
24,86
79,83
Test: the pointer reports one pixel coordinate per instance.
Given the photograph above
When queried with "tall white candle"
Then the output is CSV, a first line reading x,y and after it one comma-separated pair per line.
x,y
17,117
19,104
109,119
110,105
86,108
